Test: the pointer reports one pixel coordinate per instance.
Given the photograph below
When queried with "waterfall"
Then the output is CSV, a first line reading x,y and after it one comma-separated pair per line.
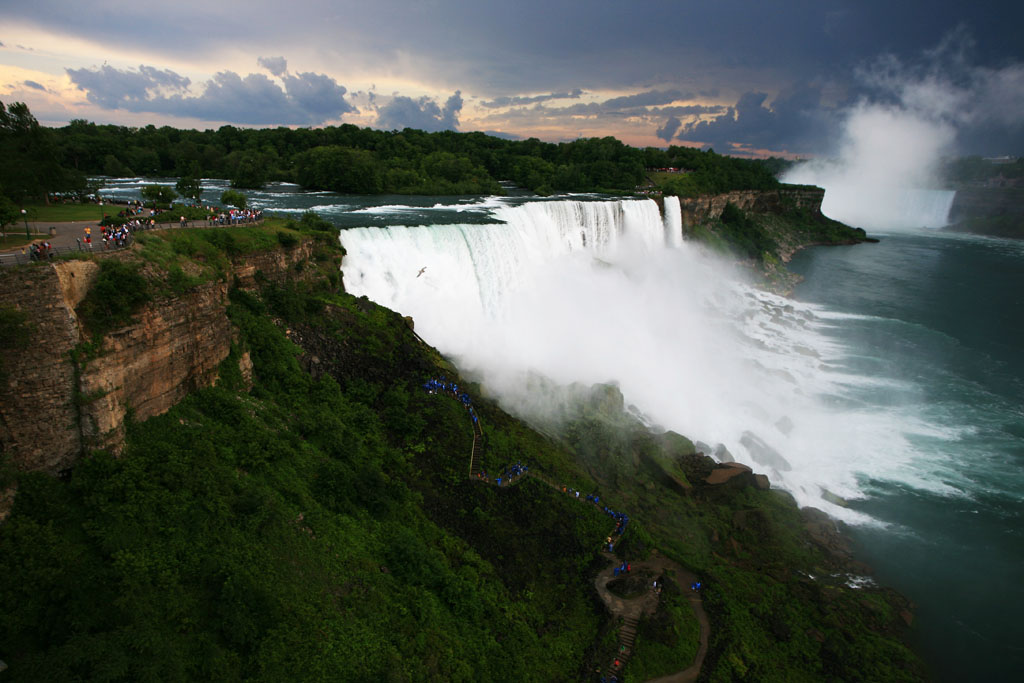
x,y
598,291
929,208
877,208
673,222
470,267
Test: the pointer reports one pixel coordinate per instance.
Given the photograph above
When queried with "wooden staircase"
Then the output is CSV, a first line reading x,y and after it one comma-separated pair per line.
x,y
474,459
627,638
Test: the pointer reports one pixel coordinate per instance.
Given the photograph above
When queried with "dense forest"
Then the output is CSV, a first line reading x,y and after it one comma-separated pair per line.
x,y
354,160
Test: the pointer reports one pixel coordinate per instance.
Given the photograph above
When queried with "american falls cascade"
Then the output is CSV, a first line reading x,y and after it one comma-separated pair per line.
x,y
608,291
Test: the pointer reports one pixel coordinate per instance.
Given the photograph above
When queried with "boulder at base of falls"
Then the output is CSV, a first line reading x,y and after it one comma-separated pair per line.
x,y
830,497
763,454
733,473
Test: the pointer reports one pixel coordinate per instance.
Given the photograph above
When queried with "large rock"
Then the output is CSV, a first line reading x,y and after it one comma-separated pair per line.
x,y
734,473
823,531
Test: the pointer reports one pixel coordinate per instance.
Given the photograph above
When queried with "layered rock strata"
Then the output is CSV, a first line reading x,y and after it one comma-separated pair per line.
x,y
58,401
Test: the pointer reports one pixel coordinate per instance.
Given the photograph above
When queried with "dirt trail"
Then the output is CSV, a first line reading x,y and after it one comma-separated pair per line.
x,y
632,609
647,604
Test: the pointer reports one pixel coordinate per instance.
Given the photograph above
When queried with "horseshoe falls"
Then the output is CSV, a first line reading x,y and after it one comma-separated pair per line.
x,y
889,208
893,378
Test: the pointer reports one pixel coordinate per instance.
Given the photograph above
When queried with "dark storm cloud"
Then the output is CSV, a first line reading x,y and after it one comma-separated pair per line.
x,y
497,102
164,78
646,99
669,129
690,110
795,121
34,86
638,104
424,113
535,46
307,98
113,88
513,51
277,66
318,95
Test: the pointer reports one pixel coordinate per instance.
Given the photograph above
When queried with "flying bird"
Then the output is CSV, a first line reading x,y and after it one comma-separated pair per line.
x,y
421,271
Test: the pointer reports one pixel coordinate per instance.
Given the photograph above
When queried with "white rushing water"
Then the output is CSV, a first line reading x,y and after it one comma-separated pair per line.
x,y
605,291
857,197
899,209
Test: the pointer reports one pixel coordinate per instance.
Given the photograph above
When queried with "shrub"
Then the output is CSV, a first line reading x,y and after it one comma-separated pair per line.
x,y
117,293
287,239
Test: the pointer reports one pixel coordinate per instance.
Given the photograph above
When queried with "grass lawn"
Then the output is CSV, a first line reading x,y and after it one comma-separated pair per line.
x,y
59,213
15,239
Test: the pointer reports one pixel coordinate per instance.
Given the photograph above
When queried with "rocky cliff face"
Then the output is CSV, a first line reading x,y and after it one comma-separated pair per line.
x,y
696,210
58,402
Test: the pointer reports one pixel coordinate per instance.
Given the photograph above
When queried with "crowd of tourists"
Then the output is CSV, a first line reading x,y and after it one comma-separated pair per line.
x,y
517,470
40,252
214,216
512,473
443,386
134,208
111,237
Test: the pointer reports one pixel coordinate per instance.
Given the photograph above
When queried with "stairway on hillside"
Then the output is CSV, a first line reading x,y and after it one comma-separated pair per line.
x,y
627,638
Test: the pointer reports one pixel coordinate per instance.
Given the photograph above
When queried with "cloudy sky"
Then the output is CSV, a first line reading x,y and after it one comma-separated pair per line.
x,y
743,76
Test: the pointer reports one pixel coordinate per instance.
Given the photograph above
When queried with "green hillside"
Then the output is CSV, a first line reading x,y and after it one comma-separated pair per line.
x,y
320,524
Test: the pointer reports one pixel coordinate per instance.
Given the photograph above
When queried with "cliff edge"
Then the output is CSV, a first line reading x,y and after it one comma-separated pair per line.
x,y
68,391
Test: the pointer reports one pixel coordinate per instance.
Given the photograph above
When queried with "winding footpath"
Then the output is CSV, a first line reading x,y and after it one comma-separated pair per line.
x,y
628,610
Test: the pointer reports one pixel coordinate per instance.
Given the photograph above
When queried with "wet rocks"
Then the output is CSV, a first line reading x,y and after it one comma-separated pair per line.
x,y
763,454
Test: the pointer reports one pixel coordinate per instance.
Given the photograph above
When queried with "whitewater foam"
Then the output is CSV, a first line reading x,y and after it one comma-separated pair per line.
x,y
591,292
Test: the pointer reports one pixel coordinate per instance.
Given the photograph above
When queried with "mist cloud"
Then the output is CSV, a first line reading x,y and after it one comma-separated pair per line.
x,y
894,137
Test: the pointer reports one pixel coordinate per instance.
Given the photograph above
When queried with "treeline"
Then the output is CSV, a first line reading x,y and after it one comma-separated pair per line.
x,y
975,169
710,173
31,160
350,159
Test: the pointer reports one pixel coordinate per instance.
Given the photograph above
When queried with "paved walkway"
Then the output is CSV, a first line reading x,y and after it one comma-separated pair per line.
x,y
69,233
631,610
